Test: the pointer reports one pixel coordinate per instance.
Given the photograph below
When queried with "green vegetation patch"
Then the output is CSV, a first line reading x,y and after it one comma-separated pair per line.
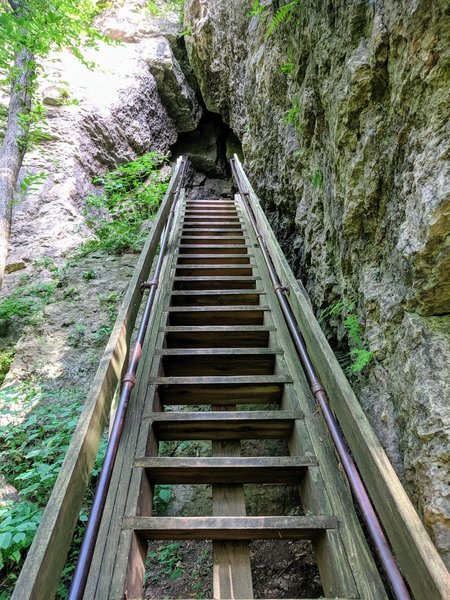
x,y
358,356
132,194
32,450
26,300
281,15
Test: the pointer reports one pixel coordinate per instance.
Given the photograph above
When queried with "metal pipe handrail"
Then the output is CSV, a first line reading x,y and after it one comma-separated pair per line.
x,y
382,547
79,580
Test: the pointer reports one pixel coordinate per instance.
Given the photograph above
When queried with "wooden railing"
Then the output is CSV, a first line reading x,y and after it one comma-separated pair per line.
x,y
418,558
41,572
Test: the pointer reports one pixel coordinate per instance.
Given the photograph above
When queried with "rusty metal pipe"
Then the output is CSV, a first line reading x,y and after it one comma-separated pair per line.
x,y
79,580
380,542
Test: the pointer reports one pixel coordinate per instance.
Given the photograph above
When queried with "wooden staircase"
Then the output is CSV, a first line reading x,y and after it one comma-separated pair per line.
x,y
219,365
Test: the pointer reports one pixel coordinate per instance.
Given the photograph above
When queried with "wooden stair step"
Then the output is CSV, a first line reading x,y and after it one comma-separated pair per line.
x,y
217,315
224,425
223,391
211,208
230,528
212,249
214,270
215,336
226,202
212,225
232,259
208,220
216,297
224,470
220,282
212,239
218,361
217,233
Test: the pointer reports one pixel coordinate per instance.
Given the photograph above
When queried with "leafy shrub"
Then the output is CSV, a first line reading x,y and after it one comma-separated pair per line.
x,y
32,450
18,524
132,194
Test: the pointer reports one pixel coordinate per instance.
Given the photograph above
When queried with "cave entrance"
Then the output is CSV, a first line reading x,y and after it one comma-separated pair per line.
x,y
209,146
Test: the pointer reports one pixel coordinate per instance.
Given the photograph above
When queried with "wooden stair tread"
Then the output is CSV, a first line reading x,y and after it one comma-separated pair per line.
x,y
214,391
241,352
212,256
225,223
228,381
212,232
221,470
220,248
222,266
218,278
213,270
190,239
230,528
215,336
216,328
227,292
223,297
221,308
166,417
228,425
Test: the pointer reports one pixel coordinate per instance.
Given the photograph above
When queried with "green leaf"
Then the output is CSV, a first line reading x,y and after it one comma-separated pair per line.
x,y
19,537
5,540
165,495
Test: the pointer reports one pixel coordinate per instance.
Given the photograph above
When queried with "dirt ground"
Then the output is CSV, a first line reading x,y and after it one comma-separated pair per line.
x,y
186,571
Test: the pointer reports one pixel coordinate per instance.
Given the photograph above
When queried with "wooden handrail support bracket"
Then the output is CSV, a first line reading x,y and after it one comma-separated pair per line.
x,y
46,558
417,557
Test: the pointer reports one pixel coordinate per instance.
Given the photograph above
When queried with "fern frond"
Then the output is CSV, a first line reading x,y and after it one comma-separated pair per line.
x,y
283,15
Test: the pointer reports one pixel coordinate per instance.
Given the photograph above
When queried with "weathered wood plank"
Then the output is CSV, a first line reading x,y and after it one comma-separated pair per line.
x,y
417,556
230,528
257,391
250,425
216,232
232,573
226,298
217,315
214,225
216,352
46,557
195,240
226,364
231,336
213,248
222,471
214,259
214,270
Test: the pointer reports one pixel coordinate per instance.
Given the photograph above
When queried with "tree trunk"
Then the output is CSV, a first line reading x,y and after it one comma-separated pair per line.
x,y
13,147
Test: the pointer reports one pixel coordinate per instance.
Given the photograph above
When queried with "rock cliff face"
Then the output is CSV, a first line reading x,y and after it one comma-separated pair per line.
x,y
343,117
97,119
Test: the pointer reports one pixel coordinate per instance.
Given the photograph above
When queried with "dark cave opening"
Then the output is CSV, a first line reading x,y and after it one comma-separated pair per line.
x,y
209,147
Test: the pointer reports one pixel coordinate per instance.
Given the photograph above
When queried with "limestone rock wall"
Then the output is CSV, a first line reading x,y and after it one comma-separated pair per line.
x,y
96,119
343,115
